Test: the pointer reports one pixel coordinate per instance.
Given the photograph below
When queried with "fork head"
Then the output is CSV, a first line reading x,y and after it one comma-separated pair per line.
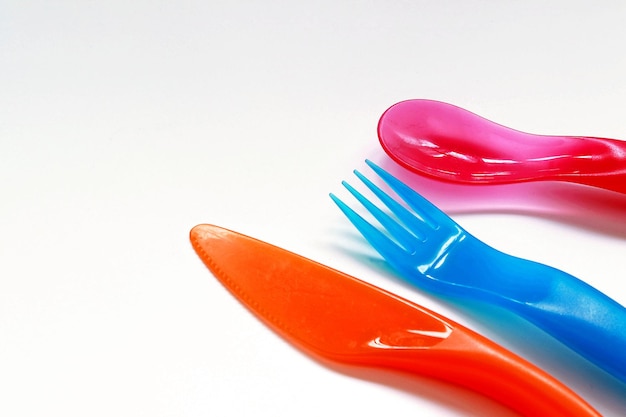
x,y
418,239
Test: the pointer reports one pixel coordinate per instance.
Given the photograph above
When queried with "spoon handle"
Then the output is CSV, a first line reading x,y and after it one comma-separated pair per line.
x,y
607,169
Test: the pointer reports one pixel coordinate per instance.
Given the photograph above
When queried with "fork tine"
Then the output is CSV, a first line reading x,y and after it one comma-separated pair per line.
x,y
424,208
389,250
402,235
417,225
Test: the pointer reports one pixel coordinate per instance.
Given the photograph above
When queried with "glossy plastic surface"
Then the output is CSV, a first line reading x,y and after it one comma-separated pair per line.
x,y
336,316
453,144
434,252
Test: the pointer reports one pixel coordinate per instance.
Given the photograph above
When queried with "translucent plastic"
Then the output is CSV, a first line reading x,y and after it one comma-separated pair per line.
x,y
432,251
341,318
453,144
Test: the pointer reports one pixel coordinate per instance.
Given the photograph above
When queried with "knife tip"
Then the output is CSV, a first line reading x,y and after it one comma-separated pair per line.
x,y
202,232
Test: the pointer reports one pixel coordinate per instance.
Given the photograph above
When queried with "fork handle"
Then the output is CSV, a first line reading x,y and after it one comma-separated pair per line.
x,y
581,317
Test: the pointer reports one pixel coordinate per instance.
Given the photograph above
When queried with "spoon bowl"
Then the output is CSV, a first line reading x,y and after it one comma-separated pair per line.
x,y
450,143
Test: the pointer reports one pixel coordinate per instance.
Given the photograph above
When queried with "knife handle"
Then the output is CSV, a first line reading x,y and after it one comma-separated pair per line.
x,y
467,359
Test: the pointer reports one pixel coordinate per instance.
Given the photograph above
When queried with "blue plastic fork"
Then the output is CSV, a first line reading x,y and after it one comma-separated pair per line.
x,y
431,251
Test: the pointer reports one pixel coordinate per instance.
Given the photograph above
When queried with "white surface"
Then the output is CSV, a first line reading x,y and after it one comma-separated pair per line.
x,y
125,123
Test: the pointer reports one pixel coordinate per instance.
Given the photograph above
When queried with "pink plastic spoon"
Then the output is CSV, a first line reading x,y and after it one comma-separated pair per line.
x,y
453,144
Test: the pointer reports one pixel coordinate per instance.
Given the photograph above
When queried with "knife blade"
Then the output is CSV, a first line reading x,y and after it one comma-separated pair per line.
x,y
341,318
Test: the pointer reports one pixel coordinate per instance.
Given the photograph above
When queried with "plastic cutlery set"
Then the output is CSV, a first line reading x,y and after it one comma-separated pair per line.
x,y
341,318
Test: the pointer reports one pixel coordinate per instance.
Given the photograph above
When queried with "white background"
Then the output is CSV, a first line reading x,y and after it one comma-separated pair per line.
x,y
125,123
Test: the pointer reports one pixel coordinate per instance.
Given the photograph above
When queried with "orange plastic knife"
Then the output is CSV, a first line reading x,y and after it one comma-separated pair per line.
x,y
341,318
